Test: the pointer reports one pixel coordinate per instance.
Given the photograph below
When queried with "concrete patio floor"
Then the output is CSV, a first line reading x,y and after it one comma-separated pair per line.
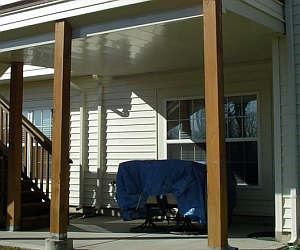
x,y
112,233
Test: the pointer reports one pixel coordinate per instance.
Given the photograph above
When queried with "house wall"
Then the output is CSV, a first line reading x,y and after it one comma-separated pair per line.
x,y
83,149
124,117
286,106
134,130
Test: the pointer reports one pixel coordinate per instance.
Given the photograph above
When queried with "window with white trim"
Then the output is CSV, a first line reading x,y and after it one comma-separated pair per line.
x,y
42,119
186,128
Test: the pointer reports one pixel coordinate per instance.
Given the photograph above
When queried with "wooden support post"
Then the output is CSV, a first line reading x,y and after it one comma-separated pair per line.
x,y
215,128
15,148
59,214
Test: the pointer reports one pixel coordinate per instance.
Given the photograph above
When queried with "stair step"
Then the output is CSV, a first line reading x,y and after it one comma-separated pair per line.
x,y
35,222
35,209
31,196
26,185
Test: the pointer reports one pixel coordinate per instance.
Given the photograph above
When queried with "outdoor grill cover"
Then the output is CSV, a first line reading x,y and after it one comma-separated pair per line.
x,y
186,180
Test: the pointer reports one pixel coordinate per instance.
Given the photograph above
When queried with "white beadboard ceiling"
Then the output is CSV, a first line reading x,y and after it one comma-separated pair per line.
x,y
159,47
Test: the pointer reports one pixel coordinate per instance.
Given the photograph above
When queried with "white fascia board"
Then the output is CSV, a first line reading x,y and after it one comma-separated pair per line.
x,y
56,11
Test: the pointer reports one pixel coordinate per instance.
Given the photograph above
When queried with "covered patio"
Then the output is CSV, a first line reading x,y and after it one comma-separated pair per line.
x,y
131,47
111,232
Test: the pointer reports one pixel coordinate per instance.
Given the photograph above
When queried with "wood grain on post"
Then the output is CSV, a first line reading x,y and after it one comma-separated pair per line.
x,y
61,131
215,128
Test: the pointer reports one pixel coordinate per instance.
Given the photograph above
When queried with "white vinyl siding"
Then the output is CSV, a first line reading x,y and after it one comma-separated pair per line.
x,y
286,75
84,142
286,109
74,147
289,75
134,106
92,166
131,110
130,122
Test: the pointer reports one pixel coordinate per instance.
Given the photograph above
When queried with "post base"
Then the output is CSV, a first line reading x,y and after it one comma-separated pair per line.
x,y
55,244
223,248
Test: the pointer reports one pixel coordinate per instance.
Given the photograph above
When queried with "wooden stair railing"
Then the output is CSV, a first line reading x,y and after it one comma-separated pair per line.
x,y
36,169
3,182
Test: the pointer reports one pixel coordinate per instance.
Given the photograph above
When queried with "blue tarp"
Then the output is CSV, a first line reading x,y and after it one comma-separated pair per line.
x,y
186,180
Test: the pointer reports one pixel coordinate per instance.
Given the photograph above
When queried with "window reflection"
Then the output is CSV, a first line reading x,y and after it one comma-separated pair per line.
x,y
186,120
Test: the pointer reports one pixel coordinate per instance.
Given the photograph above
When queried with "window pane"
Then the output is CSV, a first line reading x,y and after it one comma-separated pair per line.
x,y
200,152
185,132
173,110
242,158
198,119
250,116
188,122
42,119
37,118
25,113
174,151
233,118
238,170
235,152
251,151
187,152
234,127
173,128
185,109
251,174
181,151
47,123
234,106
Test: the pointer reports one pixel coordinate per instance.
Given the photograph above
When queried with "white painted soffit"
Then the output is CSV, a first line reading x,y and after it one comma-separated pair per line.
x,y
102,28
49,11
269,13
158,18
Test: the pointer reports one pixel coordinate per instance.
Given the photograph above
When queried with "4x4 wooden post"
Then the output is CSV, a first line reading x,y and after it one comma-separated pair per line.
x,y
15,148
215,133
59,213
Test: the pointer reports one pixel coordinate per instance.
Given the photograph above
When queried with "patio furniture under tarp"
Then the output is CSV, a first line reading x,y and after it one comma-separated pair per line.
x,y
186,180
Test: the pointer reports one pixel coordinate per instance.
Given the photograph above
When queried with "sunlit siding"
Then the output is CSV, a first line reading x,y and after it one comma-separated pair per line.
x,y
38,95
92,170
131,111
84,141
284,137
296,20
75,147
130,121
285,81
